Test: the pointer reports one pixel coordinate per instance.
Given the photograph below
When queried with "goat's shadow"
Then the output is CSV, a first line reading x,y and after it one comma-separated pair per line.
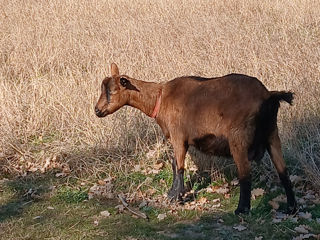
x,y
22,192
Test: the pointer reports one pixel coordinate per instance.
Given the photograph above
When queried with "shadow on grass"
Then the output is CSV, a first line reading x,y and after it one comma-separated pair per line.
x,y
19,193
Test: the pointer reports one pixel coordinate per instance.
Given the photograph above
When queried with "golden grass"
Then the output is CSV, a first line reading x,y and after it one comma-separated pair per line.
x,y
53,56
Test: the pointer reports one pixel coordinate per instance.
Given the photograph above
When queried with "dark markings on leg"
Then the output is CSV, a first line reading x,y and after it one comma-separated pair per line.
x,y
180,178
245,196
292,204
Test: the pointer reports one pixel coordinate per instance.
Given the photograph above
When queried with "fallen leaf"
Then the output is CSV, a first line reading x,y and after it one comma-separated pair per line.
x,y
193,169
215,200
137,168
202,200
235,182
301,229
209,190
102,189
222,190
158,166
61,174
150,191
162,216
305,215
227,196
143,204
66,168
151,154
154,171
257,192
295,178
105,213
274,205
96,222
305,236
101,182
216,205
240,228
220,220
33,169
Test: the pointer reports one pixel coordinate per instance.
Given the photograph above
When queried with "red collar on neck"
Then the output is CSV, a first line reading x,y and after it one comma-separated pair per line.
x,y
157,106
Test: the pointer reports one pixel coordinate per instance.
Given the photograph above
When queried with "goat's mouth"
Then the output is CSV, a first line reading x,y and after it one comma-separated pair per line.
x,y
100,113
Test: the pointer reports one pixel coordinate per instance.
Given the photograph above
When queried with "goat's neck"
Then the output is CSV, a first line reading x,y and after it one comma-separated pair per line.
x,y
146,97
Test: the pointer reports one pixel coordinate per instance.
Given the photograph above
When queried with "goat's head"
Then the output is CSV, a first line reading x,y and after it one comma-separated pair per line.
x,y
114,92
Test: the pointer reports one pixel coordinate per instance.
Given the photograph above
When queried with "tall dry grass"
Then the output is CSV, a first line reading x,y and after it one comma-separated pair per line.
x,y
54,54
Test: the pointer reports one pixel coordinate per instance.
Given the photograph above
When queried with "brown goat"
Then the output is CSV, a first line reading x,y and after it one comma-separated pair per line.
x,y
234,115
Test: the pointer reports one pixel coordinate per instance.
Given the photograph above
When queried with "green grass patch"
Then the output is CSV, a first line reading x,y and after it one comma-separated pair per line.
x,y
63,211
71,195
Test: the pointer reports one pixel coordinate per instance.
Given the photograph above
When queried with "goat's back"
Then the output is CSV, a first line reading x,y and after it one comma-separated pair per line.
x,y
228,97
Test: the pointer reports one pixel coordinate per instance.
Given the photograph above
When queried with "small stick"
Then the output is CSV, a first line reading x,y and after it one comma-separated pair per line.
x,y
135,212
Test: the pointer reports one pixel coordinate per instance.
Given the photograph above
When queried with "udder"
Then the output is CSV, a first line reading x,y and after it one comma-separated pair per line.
x,y
213,145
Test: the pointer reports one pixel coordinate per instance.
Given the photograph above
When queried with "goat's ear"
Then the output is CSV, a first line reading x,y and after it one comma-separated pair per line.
x,y
114,70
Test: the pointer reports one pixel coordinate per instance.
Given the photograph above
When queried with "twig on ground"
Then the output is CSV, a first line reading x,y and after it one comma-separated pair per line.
x,y
133,211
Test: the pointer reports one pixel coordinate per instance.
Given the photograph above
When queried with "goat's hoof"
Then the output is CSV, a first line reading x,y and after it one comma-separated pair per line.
x,y
242,210
174,195
292,210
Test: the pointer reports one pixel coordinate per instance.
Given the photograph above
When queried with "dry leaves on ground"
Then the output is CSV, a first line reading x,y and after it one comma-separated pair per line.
x,y
103,189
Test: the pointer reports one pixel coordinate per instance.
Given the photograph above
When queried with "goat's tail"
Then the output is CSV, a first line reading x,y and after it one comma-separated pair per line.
x,y
277,96
269,109
266,121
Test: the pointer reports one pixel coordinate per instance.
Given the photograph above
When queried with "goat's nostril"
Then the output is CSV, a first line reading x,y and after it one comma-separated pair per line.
x,y
97,110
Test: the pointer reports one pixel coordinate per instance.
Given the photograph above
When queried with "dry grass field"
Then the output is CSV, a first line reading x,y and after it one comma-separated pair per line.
x,y
54,54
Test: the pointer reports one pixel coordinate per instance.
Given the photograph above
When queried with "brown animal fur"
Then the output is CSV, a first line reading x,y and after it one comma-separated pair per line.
x,y
234,115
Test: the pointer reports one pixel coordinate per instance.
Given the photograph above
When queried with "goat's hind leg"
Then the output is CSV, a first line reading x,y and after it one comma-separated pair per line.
x,y
274,150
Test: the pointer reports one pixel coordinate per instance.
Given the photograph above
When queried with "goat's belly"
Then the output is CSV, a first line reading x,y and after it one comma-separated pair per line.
x,y
213,145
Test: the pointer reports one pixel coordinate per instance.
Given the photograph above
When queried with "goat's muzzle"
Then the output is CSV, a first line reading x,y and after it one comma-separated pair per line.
x,y
99,113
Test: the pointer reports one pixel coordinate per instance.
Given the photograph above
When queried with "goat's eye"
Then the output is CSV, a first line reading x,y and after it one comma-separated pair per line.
x,y
123,82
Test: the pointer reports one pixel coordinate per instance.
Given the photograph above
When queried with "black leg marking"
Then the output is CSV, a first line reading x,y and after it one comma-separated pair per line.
x,y
245,196
292,204
172,191
174,169
177,190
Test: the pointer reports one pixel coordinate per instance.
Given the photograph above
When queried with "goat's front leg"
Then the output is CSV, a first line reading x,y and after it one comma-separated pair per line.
x,y
177,189
243,165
